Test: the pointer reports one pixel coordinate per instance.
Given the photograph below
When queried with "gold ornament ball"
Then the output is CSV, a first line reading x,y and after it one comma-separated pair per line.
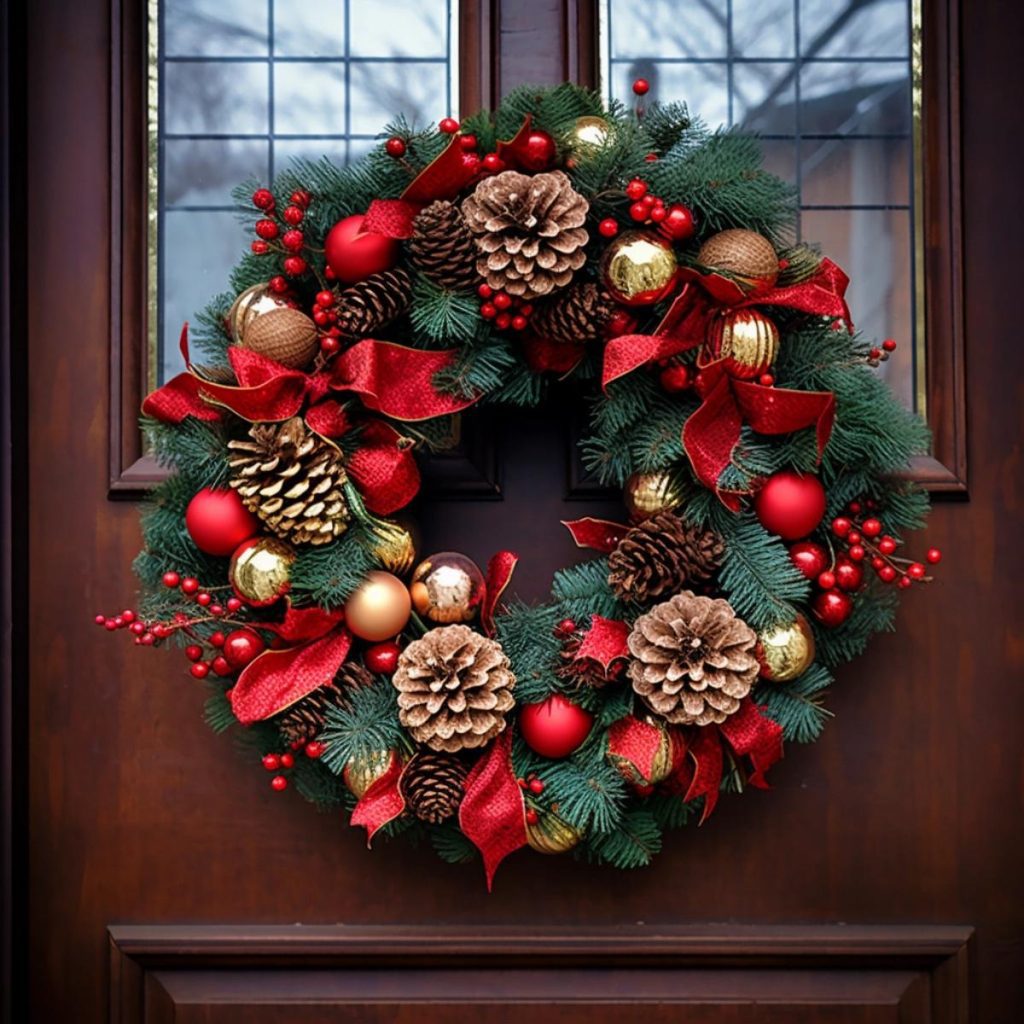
x,y
250,304
746,339
361,773
261,570
393,546
786,652
590,132
745,256
638,269
551,834
285,335
448,587
647,494
379,609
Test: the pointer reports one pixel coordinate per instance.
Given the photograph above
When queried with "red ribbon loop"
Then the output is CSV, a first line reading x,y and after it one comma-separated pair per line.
x,y
382,802
597,534
499,574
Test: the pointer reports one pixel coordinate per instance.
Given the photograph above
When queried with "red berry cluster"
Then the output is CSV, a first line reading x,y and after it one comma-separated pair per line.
x,y
505,310
275,762
282,234
675,222
880,355
532,786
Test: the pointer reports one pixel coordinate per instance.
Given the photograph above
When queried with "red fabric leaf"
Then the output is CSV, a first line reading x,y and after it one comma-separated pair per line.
x,y
384,469
597,534
302,624
511,151
604,642
499,575
382,802
752,733
391,218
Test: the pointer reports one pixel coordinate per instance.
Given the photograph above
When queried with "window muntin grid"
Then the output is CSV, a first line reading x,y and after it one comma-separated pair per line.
x,y
829,85
238,88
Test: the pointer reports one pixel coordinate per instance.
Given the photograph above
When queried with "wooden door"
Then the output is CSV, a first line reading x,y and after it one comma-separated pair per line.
x,y
879,881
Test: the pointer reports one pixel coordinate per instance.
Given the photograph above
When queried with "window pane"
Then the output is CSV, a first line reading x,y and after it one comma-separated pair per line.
x,y
827,84
247,86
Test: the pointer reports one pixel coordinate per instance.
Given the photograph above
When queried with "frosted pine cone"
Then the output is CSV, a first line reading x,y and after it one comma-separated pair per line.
x,y
692,659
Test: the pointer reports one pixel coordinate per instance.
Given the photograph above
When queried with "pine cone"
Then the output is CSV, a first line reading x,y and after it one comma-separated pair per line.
x,y
529,230
454,687
576,315
368,305
433,785
661,555
442,247
292,479
304,720
693,659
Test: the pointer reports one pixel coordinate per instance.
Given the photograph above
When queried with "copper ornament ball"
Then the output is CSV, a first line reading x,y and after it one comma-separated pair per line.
x,y
361,773
448,587
647,494
638,269
786,652
379,609
260,570
285,335
745,256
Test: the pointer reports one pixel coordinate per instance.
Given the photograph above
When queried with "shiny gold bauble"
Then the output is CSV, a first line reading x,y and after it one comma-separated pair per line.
x,y
448,587
361,773
647,494
393,545
745,256
551,834
379,609
261,570
746,339
786,652
250,304
285,335
638,269
590,132
661,766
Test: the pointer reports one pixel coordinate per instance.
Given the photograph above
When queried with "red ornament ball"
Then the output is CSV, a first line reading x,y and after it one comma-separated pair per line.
x,y
395,147
810,559
382,658
832,608
241,646
218,521
354,254
790,504
448,125
675,379
641,87
537,152
678,224
555,727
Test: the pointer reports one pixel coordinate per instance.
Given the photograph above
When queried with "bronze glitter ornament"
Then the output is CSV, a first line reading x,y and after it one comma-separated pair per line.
x,y
746,339
552,834
260,570
745,256
638,268
362,772
647,494
250,304
786,652
447,587
285,335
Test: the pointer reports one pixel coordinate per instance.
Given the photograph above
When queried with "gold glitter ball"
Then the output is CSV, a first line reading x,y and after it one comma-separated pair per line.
x,y
786,652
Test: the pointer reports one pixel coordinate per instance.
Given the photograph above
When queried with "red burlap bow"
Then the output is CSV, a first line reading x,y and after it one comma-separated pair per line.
x,y
711,434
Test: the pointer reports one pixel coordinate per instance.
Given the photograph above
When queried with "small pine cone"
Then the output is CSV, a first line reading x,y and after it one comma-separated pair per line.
x,y
529,230
576,315
693,660
454,688
293,480
368,305
433,785
304,720
442,247
661,555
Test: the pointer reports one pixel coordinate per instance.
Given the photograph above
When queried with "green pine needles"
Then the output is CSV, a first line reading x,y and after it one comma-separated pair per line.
x,y
598,796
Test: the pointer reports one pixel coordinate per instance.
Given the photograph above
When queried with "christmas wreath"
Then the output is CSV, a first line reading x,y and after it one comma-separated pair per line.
x,y
641,256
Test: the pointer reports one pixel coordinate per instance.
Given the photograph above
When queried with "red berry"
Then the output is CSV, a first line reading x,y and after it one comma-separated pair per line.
x,y
271,762
259,247
810,558
934,556
325,299
641,87
636,189
110,624
519,323
678,224
263,199
234,603
526,309
329,346
502,300
650,201
871,527
916,570
841,526
193,652
203,599
766,380
147,639
532,817
622,322
294,266
638,211
503,321
395,147
287,760
853,537
832,608
565,628
278,285
849,575
216,610
536,786
827,580
485,291
856,552
887,545
658,213
266,229
293,215
279,783
493,163
488,311
200,670
171,579
138,628
887,573
100,620
904,582
855,507
314,749
651,158
875,353
220,666
448,125
889,345
877,562
382,658
217,639
292,240
189,585
609,227
674,379
320,318
301,198
467,142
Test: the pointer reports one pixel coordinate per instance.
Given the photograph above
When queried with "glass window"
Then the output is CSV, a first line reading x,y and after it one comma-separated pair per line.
x,y
828,85
239,88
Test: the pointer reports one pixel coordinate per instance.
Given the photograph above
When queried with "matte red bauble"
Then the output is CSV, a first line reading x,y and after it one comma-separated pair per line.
x,y
537,152
241,646
218,521
382,658
832,608
790,504
810,558
354,256
554,727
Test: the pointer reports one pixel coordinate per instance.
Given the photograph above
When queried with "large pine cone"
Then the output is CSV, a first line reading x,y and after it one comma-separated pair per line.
x,y
292,479
529,230
304,720
433,785
368,305
576,315
693,659
442,247
454,687
662,555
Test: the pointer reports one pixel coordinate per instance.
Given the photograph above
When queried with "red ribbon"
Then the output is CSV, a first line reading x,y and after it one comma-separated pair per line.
x,y
597,534
637,743
499,574
492,814
391,218
545,356
382,802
